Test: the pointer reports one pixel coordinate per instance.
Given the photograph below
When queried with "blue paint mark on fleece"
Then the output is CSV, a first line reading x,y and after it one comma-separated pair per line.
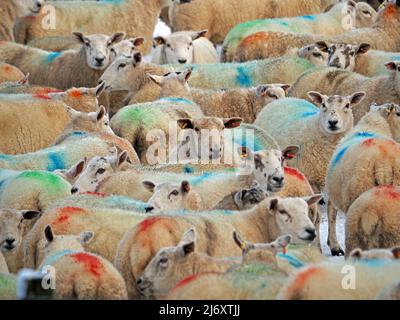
x,y
52,56
352,140
53,258
188,169
308,17
55,161
5,156
283,23
199,179
177,100
292,260
243,77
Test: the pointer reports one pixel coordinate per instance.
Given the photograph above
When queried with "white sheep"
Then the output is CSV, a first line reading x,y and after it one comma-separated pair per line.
x,y
183,47
79,68
349,175
79,274
9,73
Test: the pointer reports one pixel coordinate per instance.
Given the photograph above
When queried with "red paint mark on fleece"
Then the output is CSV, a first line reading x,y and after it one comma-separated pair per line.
x,y
65,213
368,143
255,37
147,223
302,279
7,68
95,194
387,191
43,93
191,279
390,10
75,93
295,173
92,263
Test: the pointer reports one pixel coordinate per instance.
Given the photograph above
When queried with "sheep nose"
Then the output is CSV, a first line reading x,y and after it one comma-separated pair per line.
x,y
100,60
139,281
10,241
148,209
182,61
333,123
278,179
74,190
312,233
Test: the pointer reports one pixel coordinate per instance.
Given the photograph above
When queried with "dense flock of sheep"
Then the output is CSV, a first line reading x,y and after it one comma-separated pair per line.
x,y
104,190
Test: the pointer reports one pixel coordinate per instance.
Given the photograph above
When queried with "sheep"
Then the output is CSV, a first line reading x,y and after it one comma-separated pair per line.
x,y
372,221
244,103
376,4
63,155
137,122
316,131
391,292
243,199
328,23
51,119
219,17
80,68
358,58
14,9
259,224
375,254
109,226
350,280
184,47
9,73
79,274
329,81
349,175
134,16
131,75
382,35
14,225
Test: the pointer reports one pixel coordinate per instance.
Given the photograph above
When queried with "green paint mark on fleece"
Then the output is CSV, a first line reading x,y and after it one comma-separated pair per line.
x,y
8,286
50,181
138,115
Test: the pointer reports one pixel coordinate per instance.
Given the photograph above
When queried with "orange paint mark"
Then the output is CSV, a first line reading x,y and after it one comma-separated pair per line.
x,y
390,10
41,96
295,173
96,194
92,263
302,278
387,191
255,37
75,93
368,143
7,68
191,279
65,214
45,91
147,223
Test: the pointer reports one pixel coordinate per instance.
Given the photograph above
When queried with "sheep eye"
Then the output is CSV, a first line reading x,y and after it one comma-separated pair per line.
x,y
283,212
175,192
367,13
121,66
347,106
168,45
112,50
398,114
101,171
324,108
163,260
317,55
398,68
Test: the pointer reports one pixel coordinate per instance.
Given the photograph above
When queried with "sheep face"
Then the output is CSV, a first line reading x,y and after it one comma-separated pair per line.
x,y
342,55
98,170
391,113
268,166
98,48
270,92
50,243
291,217
97,121
168,267
203,138
170,196
394,67
365,15
28,7
314,54
12,228
335,115
177,48
248,198
376,254
116,77
126,47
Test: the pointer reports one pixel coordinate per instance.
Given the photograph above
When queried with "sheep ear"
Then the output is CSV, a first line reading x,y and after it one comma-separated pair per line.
x,y
396,252
158,80
122,158
86,237
72,112
100,114
290,152
391,65
187,73
30,214
199,34
351,4
245,152
363,48
356,254
24,80
231,123
356,98
185,123
158,41
323,46
99,89
273,204
285,87
116,37
77,169
150,186
188,242
81,38
238,197
239,241
316,97
185,186
48,232
313,199
137,42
